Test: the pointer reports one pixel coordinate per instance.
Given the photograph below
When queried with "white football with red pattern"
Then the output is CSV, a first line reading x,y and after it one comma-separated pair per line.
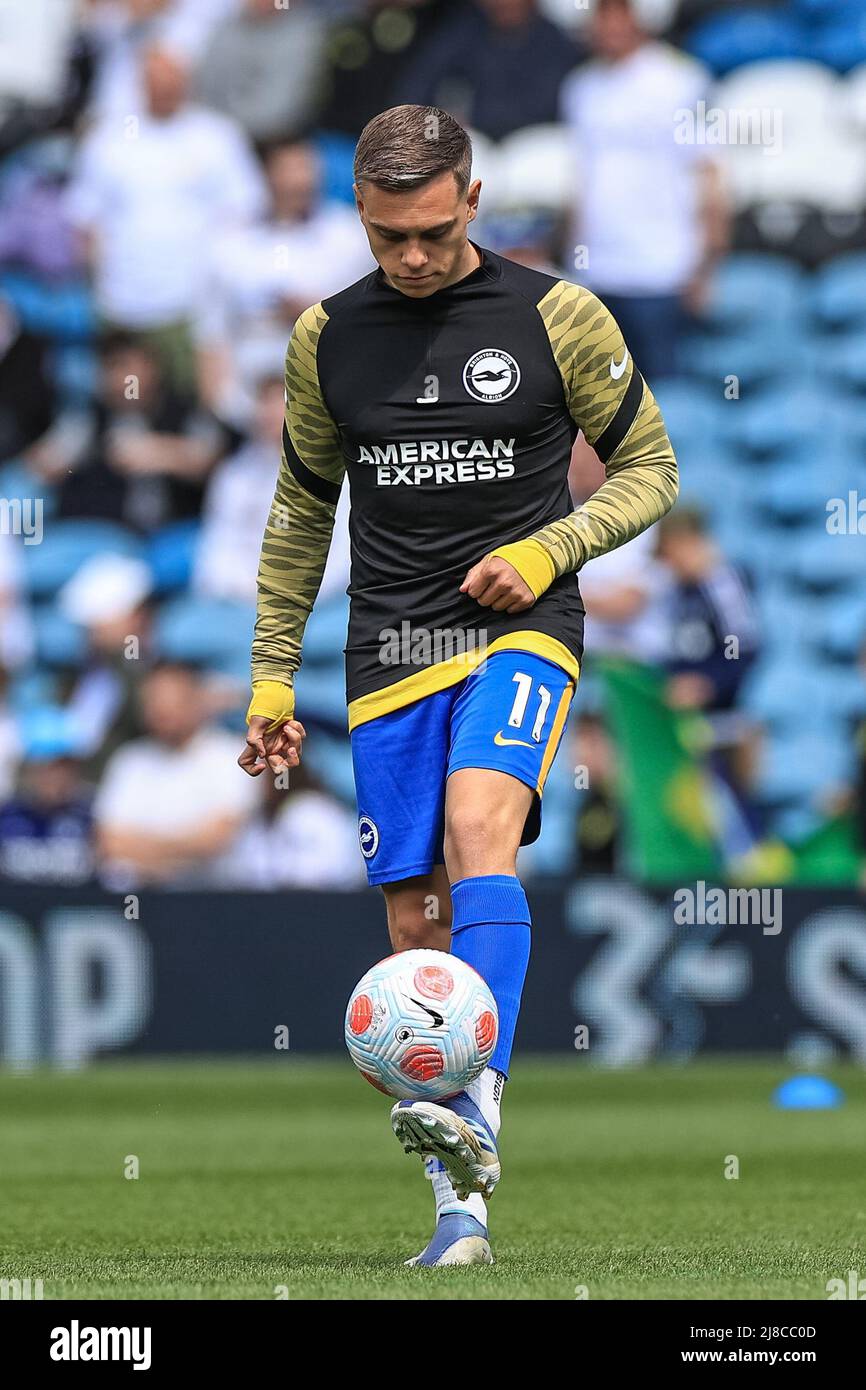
x,y
421,1024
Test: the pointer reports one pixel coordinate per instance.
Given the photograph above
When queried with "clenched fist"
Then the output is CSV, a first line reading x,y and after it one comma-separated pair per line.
x,y
497,585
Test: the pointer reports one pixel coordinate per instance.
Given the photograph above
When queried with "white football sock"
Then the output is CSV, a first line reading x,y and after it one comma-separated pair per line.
x,y
447,1200
486,1091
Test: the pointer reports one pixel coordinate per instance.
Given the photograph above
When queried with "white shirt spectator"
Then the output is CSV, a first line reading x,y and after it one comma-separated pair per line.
x,y
237,505
638,214
642,636
312,842
156,192
184,26
155,789
254,269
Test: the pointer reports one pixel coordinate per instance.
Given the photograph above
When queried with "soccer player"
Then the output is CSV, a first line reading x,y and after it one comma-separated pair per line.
x,y
449,385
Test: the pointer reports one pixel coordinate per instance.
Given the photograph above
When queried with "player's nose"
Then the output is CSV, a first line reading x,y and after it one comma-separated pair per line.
x,y
414,258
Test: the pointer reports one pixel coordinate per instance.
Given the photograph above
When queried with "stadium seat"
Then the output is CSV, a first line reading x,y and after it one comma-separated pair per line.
x,y
47,567
692,414
758,294
170,554
787,420
729,39
214,633
752,356
840,361
59,642
807,95
841,40
325,634
337,154
838,299
826,563
843,633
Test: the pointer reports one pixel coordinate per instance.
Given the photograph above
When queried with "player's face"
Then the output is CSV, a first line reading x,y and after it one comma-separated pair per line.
x,y
419,237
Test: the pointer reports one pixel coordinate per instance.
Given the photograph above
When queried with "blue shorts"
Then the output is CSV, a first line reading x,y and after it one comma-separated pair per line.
x,y
508,715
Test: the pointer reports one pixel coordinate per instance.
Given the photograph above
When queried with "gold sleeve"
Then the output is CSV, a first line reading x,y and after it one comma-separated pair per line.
x,y
611,403
301,522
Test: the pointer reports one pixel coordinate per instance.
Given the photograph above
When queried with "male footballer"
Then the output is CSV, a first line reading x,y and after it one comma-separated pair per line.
x,y
449,385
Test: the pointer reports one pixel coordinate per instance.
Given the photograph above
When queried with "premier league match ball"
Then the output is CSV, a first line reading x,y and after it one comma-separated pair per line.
x,y
421,1025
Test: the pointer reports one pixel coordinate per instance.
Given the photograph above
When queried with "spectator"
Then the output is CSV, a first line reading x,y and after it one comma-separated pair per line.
x,y
301,838
712,641
171,804
121,30
264,67
263,276
45,830
651,215
140,454
149,193
712,635
108,596
497,66
623,592
238,502
369,51
599,824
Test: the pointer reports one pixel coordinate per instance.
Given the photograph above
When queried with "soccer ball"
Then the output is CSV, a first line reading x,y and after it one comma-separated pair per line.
x,y
421,1024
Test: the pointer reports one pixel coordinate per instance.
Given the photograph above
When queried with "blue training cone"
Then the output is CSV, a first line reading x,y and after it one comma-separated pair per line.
x,y
808,1093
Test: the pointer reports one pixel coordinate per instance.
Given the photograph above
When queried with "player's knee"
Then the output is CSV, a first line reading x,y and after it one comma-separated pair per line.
x,y
480,839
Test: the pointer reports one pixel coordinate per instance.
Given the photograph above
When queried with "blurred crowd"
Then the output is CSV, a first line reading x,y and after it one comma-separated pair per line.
x,y
175,189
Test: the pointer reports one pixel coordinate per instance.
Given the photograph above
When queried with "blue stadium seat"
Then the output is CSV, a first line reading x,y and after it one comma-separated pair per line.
x,y
755,293
325,634
47,567
337,154
212,633
321,695
753,357
59,642
838,299
692,413
843,633
728,39
18,481
171,553
840,41
789,420
840,361
829,563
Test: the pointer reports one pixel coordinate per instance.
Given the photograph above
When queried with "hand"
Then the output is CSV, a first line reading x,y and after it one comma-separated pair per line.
x,y
281,748
497,585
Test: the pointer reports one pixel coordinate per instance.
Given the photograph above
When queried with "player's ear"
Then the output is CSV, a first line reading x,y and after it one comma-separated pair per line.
x,y
472,196
359,201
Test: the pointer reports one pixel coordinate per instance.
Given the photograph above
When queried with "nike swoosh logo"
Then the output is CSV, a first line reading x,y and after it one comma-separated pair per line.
x,y
505,742
617,371
438,1019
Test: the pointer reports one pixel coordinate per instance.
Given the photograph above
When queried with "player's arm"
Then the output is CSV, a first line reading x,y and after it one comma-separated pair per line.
x,y
611,403
294,551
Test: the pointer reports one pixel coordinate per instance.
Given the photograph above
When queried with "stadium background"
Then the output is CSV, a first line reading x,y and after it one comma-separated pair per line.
x,y
144,310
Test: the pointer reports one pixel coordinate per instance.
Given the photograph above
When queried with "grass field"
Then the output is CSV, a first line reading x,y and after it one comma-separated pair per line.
x,y
255,1176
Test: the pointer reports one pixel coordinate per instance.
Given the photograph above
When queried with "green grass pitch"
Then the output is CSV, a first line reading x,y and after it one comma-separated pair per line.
x,y
257,1178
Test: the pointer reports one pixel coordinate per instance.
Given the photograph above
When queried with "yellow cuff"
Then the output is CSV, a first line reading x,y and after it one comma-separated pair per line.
x,y
532,563
272,700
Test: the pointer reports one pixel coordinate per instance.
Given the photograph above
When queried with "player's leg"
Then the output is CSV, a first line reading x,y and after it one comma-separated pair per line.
x,y
419,917
400,762
419,911
506,727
